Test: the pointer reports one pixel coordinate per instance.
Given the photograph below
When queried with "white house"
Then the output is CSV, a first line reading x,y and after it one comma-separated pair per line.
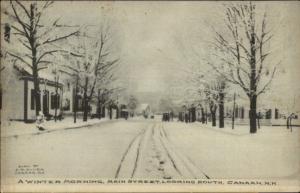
x,y
144,110
18,102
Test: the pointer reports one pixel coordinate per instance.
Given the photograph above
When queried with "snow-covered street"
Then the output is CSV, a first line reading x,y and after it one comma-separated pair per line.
x,y
154,149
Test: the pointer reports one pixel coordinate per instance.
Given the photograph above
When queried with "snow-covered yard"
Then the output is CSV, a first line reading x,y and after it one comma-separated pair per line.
x,y
225,153
153,149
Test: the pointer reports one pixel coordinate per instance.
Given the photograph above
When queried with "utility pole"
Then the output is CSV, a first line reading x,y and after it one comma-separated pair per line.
x,y
233,111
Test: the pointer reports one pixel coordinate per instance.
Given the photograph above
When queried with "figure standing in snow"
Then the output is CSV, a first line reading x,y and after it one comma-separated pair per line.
x,y
40,120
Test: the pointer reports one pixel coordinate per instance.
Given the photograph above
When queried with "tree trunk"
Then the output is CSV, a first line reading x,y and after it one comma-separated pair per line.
x,y
85,111
233,112
85,100
110,112
103,111
253,82
75,108
36,85
213,114
117,111
291,126
75,100
252,114
221,110
56,99
205,115
202,115
36,91
258,122
34,58
213,118
55,110
98,111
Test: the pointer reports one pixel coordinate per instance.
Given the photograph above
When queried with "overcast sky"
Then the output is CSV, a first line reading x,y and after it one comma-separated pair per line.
x,y
157,39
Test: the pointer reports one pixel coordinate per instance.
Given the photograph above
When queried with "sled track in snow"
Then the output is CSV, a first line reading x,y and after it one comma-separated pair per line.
x,y
127,150
131,162
168,153
182,158
138,153
138,138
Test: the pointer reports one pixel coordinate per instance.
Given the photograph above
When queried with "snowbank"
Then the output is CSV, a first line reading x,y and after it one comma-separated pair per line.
x,y
17,128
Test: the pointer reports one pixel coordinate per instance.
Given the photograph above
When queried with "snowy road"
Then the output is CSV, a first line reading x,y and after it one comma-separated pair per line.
x,y
115,149
151,155
153,149
89,152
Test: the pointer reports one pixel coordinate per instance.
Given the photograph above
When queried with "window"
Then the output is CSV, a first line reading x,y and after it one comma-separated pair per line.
x,y
236,113
276,113
79,103
55,100
242,112
269,114
68,86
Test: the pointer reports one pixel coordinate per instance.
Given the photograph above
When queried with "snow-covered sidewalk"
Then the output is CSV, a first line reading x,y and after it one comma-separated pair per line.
x,y
17,128
241,130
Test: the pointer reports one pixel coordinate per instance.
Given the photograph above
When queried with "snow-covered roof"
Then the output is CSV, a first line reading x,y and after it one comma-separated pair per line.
x,y
142,107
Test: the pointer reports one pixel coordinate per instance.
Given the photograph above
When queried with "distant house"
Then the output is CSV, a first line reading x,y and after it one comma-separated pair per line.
x,y
144,110
18,95
266,113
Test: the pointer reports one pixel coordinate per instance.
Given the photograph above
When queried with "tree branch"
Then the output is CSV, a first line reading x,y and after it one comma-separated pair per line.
x,y
24,25
23,7
24,44
47,53
71,68
41,68
268,83
19,58
20,32
60,38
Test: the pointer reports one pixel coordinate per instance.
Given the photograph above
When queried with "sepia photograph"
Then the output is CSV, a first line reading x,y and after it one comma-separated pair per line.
x,y
135,96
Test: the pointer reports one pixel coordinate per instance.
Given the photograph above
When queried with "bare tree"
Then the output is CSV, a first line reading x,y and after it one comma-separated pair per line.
x,y
214,93
103,99
210,90
243,54
132,104
73,74
37,39
94,63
